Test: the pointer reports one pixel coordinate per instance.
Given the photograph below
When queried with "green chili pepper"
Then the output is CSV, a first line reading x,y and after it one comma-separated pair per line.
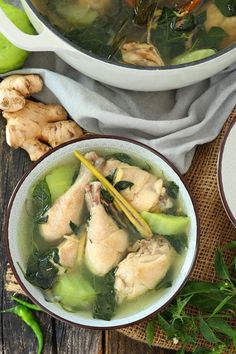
x,y
26,304
27,316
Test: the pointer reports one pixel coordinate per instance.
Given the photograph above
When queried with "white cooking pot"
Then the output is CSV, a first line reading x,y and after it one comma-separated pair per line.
x,y
119,75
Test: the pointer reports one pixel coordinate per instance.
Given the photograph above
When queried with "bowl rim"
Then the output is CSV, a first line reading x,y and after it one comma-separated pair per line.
x,y
15,191
220,177
54,30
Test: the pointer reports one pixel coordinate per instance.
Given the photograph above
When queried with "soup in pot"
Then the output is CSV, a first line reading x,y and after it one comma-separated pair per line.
x,y
145,32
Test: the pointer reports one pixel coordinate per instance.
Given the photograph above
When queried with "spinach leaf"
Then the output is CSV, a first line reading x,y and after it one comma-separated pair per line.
x,y
178,242
209,40
75,228
106,196
169,39
41,199
41,268
172,189
105,302
122,157
111,177
226,7
166,282
122,185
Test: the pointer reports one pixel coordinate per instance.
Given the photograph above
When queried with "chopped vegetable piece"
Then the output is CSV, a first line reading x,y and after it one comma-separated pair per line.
x,y
59,180
188,57
165,224
73,291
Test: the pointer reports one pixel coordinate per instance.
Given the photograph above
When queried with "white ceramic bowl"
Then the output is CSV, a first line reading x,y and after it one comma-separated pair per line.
x,y
227,172
119,75
17,203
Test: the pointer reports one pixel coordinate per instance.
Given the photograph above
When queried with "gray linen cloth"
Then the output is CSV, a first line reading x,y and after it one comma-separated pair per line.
x,y
173,122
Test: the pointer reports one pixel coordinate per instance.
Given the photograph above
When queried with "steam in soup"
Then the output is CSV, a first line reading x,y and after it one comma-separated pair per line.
x,y
145,32
85,254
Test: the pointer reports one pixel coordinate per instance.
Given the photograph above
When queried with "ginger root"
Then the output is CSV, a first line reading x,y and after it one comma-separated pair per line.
x,y
33,126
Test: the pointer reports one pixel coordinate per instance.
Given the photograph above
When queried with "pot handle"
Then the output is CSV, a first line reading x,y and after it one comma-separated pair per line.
x,y
44,41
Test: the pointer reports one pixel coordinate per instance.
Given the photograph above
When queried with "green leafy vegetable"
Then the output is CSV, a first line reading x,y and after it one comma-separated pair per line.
x,y
178,242
166,282
75,228
106,196
207,332
172,189
105,303
209,40
150,330
41,198
42,269
122,185
215,302
226,7
111,177
122,157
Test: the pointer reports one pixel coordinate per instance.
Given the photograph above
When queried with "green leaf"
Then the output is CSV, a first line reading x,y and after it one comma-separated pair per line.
x,y
41,199
150,330
201,350
226,7
75,228
209,40
209,301
221,305
172,189
220,266
111,177
220,325
41,270
122,185
181,351
125,158
230,245
234,339
105,303
179,242
166,327
166,282
207,332
106,196
199,287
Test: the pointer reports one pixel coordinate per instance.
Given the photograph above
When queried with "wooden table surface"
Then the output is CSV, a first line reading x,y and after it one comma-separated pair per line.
x,y
59,338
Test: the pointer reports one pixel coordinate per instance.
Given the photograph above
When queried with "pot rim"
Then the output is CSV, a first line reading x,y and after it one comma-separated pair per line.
x,y
15,191
57,33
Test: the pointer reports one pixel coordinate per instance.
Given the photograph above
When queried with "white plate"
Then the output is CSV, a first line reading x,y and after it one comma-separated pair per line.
x,y
227,172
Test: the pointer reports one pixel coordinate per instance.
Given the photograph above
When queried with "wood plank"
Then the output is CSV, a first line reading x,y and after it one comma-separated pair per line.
x,y
15,336
72,340
117,343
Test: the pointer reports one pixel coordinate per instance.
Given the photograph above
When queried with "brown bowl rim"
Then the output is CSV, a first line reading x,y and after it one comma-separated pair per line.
x,y
219,175
14,193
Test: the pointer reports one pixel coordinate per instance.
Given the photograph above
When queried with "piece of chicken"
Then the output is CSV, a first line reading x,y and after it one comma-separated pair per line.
x,y
69,206
140,54
106,242
147,192
142,270
68,251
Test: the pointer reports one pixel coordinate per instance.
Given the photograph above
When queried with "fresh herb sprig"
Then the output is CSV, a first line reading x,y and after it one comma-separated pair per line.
x,y
214,305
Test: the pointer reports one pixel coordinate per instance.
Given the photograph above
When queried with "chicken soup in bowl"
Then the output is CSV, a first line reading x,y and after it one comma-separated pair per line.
x,y
97,253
